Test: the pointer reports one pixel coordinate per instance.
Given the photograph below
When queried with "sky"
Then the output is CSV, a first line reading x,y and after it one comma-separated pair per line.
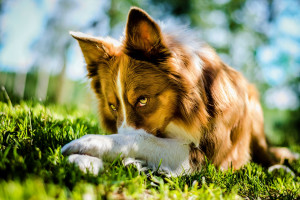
x,y
21,24
24,21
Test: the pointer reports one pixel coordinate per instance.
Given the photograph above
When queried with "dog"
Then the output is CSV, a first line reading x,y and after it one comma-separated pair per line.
x,y
173,103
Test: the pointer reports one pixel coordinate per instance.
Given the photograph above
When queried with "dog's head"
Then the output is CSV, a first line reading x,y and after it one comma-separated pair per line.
x,y
138,82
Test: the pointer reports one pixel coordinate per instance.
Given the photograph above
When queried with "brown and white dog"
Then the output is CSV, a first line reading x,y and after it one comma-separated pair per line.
x,y
170,101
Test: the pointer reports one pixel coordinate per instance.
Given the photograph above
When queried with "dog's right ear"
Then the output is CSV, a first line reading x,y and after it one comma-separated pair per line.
x,y
95,49
143,37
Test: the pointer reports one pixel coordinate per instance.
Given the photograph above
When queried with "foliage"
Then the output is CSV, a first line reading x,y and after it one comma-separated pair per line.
x,y
77,90
288,126
32,167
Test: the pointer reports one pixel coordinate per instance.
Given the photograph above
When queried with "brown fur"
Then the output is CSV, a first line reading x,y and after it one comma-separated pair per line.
x,y
192,89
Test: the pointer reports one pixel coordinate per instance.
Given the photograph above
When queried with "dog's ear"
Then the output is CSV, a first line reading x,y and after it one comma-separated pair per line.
x,y
142,32
95,49
143,36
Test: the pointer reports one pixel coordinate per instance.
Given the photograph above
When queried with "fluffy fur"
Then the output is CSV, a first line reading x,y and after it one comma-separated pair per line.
x,y
196,105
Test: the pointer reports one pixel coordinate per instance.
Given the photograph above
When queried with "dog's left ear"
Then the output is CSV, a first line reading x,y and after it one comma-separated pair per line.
x,y
143,35
95,49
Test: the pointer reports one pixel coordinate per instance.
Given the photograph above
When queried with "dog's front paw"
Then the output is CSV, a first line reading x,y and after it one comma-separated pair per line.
x,y
86,163
88,144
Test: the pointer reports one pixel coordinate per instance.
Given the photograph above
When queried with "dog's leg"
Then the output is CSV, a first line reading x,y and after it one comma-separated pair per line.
x,y
172,154
87,163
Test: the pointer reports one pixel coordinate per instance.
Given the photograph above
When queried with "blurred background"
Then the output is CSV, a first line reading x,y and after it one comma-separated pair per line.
x,y
39,61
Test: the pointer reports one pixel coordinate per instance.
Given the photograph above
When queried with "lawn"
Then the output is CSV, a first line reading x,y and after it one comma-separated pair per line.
x,y
32,167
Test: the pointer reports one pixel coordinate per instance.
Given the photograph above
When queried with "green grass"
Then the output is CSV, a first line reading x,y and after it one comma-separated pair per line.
x,y
32,167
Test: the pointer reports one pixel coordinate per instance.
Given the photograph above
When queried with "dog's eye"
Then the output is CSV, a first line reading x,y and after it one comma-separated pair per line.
x,y
113,107
142,101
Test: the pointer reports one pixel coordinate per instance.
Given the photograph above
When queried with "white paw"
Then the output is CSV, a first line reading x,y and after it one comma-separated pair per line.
x,y
139,164
275,168
92,145
86,163
142,166
75,146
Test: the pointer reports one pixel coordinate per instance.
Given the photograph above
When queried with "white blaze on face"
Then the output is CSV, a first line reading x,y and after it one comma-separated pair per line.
x,y
122,104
